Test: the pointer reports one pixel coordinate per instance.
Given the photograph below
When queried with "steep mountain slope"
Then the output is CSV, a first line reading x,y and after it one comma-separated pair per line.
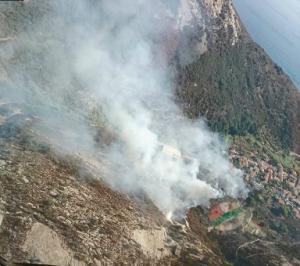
x,y
222,74
56,208
236,86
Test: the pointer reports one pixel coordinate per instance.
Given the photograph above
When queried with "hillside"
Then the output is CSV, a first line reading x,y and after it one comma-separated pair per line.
x,y
57,210
98,165
238,88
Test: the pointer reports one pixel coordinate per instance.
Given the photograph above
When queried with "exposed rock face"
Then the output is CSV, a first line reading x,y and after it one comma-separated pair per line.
x,y
1,218
201,23
223,10
152,242
44,245
191,19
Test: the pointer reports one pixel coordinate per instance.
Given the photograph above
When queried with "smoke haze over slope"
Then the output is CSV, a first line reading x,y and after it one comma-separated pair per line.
x,y
78,56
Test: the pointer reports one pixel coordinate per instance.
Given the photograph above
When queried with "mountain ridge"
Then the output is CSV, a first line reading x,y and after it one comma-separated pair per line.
x,y
245,92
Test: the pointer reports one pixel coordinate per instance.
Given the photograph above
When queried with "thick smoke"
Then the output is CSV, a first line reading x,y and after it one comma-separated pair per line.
x,y
114,55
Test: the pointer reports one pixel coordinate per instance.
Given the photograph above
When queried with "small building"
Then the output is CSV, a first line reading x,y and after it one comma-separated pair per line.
x,y
221,208
215,212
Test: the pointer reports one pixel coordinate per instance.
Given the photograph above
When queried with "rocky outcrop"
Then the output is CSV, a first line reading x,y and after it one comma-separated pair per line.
x,y
44,245
201,25
222,17
152,242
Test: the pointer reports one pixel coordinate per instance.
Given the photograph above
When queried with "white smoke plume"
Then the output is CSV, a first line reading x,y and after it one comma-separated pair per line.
x,y
114,54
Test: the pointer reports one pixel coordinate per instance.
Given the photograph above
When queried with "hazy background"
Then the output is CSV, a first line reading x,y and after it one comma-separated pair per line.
x,y
275,25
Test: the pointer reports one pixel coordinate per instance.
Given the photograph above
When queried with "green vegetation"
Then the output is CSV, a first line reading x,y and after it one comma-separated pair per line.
x,y
240,91
254,200
284,211
279,226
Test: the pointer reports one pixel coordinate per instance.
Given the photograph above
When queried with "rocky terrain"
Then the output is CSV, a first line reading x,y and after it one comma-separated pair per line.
x,y
58,210
53,213
56,213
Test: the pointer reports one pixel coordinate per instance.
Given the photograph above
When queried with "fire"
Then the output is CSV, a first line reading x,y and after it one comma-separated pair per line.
x,y
169,216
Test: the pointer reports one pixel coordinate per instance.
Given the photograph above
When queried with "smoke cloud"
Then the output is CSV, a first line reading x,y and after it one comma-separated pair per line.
x,y
113,56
